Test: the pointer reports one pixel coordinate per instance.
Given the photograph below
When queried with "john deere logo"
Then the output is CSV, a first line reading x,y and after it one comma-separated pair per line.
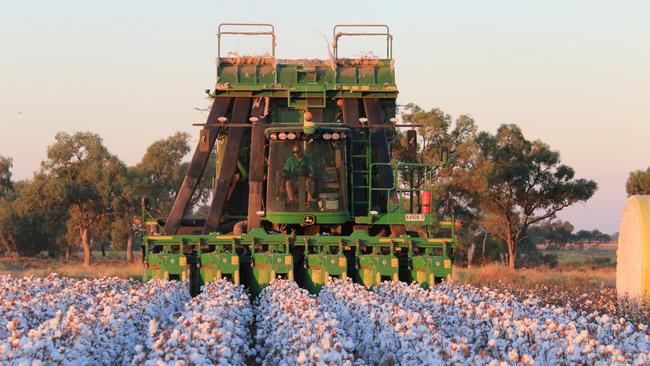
x,y
309,219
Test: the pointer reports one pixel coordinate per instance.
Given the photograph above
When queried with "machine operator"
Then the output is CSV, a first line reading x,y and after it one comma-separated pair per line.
x,y
296,166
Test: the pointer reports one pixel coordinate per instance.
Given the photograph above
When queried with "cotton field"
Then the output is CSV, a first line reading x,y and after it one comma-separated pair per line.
x,y
110,321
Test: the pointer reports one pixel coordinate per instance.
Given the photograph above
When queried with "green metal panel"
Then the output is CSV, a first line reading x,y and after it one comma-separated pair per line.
x,y
347,75
322,266
248,74
216,265
165,266
287,74
373,268
366,75
266,268
228,74
266,74
426,269
325,75
385,75
297,217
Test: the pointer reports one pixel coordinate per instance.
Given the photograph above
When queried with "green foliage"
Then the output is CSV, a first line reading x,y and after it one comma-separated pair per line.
x,y
5,175
160,172
591,237
522,182
23,229
88,181
528,255
553,234
28,225
638,182
83,194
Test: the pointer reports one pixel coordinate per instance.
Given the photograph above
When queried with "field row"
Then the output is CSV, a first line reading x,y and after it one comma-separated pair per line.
x,y
111,321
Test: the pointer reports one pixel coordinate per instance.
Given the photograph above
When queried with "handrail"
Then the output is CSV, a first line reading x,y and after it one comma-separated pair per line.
x,y
270,32
428,173
337,35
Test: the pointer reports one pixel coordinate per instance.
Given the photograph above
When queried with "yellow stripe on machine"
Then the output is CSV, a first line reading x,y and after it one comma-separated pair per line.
x,y
389,240
439,240
161,237
227,237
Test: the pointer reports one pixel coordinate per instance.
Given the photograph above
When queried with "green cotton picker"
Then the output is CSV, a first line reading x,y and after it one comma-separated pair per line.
x,y
305,186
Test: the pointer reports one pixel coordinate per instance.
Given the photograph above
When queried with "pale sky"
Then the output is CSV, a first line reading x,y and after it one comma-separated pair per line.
x,y
574,74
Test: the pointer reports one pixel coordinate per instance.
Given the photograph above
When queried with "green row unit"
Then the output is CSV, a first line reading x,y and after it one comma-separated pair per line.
x,y
255,262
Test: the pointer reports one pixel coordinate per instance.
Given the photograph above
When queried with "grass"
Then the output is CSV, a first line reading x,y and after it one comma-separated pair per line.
x,y
489,275
603,255
593,267
102,267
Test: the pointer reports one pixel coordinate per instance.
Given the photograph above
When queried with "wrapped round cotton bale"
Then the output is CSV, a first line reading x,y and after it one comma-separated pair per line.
x,y
633,254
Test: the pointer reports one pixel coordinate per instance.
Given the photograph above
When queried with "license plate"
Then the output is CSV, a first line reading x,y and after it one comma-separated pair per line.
x,y
414,217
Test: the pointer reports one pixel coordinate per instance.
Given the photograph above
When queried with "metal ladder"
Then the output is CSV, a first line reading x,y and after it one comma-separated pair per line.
x,y
360,179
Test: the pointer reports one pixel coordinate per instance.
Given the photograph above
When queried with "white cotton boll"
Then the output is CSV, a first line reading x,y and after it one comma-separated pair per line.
x,y
153,327
102,310
302,358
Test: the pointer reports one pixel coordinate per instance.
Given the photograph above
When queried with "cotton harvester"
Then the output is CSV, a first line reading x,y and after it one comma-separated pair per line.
x,y
305,188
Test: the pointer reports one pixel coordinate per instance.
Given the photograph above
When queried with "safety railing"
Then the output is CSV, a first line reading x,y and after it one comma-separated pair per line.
x,y
410,180
266,30
386,33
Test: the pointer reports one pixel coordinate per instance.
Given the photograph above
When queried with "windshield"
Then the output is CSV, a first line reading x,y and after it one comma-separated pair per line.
x,y
307,176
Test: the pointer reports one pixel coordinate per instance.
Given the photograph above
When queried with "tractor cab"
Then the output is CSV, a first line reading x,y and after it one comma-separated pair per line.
x,y
306,177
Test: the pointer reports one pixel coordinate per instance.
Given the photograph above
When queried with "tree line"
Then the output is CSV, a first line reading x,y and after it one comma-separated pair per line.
x,y
84,196
504,188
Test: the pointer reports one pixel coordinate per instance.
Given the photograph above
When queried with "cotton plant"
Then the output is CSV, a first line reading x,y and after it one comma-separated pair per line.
x,y
110,321
494,326
212,329
295,328
28,301
384,332
101,329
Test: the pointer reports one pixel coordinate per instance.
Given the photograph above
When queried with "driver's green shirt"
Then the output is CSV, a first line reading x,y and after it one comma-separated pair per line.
x,y
294,168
